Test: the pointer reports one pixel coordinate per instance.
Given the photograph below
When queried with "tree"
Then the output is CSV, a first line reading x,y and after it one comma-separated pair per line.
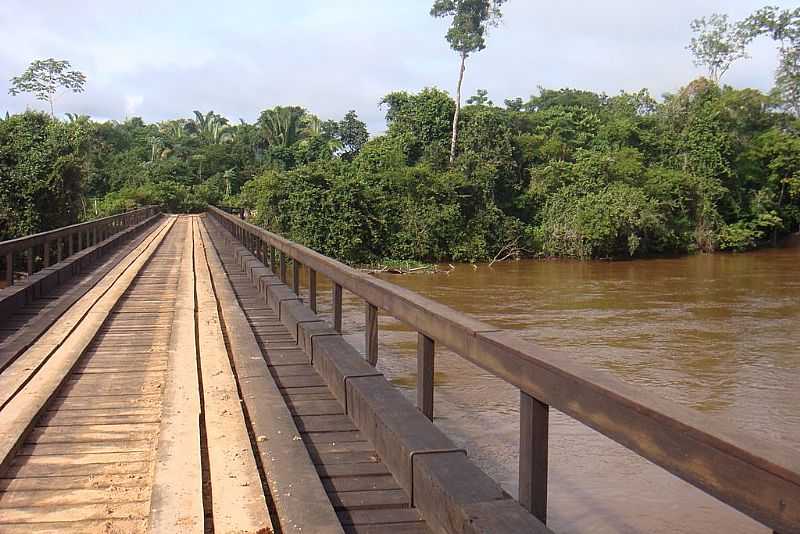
x,y
283,126
467,34
717,44
353,135
784,27
43,78
480,98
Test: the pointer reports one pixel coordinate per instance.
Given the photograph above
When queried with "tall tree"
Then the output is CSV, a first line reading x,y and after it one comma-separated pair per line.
x,y
467,34
352,134
784,27
717,44
44,77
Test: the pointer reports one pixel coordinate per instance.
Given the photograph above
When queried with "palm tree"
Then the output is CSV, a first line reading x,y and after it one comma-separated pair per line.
x,y
283,125
211,127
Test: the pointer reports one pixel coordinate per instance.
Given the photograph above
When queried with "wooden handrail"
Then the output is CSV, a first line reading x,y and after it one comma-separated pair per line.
x,y
78,236
758,478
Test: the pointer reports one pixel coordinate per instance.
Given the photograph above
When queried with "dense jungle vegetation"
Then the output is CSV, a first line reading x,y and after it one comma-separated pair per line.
x,y
566,173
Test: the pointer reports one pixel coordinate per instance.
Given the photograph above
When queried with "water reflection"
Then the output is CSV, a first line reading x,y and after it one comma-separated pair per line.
x,y
717,333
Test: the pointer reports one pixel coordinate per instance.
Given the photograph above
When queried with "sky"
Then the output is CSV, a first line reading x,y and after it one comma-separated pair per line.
x,y
163,59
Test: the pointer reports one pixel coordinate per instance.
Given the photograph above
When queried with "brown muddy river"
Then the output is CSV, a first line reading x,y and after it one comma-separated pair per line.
x,y
719,334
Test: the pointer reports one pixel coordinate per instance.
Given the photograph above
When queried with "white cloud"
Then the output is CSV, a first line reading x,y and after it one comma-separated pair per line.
x,y
164,59
132,104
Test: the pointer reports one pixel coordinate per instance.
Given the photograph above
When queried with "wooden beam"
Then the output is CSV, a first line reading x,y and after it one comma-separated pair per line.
x,y
425,365
312,289
337,308
372,334
533,440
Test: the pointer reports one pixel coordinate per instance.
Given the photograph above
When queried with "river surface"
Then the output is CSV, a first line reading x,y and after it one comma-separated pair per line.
x,y
716,333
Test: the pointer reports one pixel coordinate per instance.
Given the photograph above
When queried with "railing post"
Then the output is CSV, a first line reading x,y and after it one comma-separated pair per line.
x,y
283,267
425,356
10,268
312,289
296,277
265,253
337,307
371,339
80,240
533,440
46,253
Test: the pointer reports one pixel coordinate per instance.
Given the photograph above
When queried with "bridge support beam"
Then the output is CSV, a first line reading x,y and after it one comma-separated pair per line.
x,y
371,341
425,359
533,440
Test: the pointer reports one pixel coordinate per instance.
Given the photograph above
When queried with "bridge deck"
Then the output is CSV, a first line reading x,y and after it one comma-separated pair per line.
x,y
365,495
100,414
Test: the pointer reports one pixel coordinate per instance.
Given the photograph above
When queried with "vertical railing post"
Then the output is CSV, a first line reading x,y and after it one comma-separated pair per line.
x,y
337,307
265,259
10,268
80,240
312,289
533,440
425,358
371,334
296,277
283,267
46,253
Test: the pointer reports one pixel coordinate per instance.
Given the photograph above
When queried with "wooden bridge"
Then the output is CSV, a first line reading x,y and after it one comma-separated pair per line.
x,y
172,374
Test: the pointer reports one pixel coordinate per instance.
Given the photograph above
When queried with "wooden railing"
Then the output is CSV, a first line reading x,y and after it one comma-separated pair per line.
x,y
758,478
46,248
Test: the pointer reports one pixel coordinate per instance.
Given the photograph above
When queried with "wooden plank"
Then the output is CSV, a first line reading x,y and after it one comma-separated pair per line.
x,y
177,487
395,528
351,470
299,497
369,500
45,497
360,483
57,471
128,526
379,517
238,500
316,407
324,423
73,512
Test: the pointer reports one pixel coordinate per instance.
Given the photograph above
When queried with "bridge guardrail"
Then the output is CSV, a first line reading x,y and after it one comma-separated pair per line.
x,y
757,478
66,241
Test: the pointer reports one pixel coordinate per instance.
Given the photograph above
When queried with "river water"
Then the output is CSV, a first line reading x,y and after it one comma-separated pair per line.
x,y
717,333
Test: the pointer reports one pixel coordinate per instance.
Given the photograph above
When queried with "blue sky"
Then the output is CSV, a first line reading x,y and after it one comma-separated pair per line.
x,y
163,59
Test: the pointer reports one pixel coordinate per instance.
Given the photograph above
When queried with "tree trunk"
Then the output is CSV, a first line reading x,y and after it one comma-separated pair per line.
x,y
458,108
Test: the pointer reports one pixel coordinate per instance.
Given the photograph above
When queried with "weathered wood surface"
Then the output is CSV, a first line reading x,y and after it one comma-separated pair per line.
x,y
45,307
100,427
358,485
758,478
300,499
30,245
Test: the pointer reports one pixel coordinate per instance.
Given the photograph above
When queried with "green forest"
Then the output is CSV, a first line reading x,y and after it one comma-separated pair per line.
x,y
562,173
